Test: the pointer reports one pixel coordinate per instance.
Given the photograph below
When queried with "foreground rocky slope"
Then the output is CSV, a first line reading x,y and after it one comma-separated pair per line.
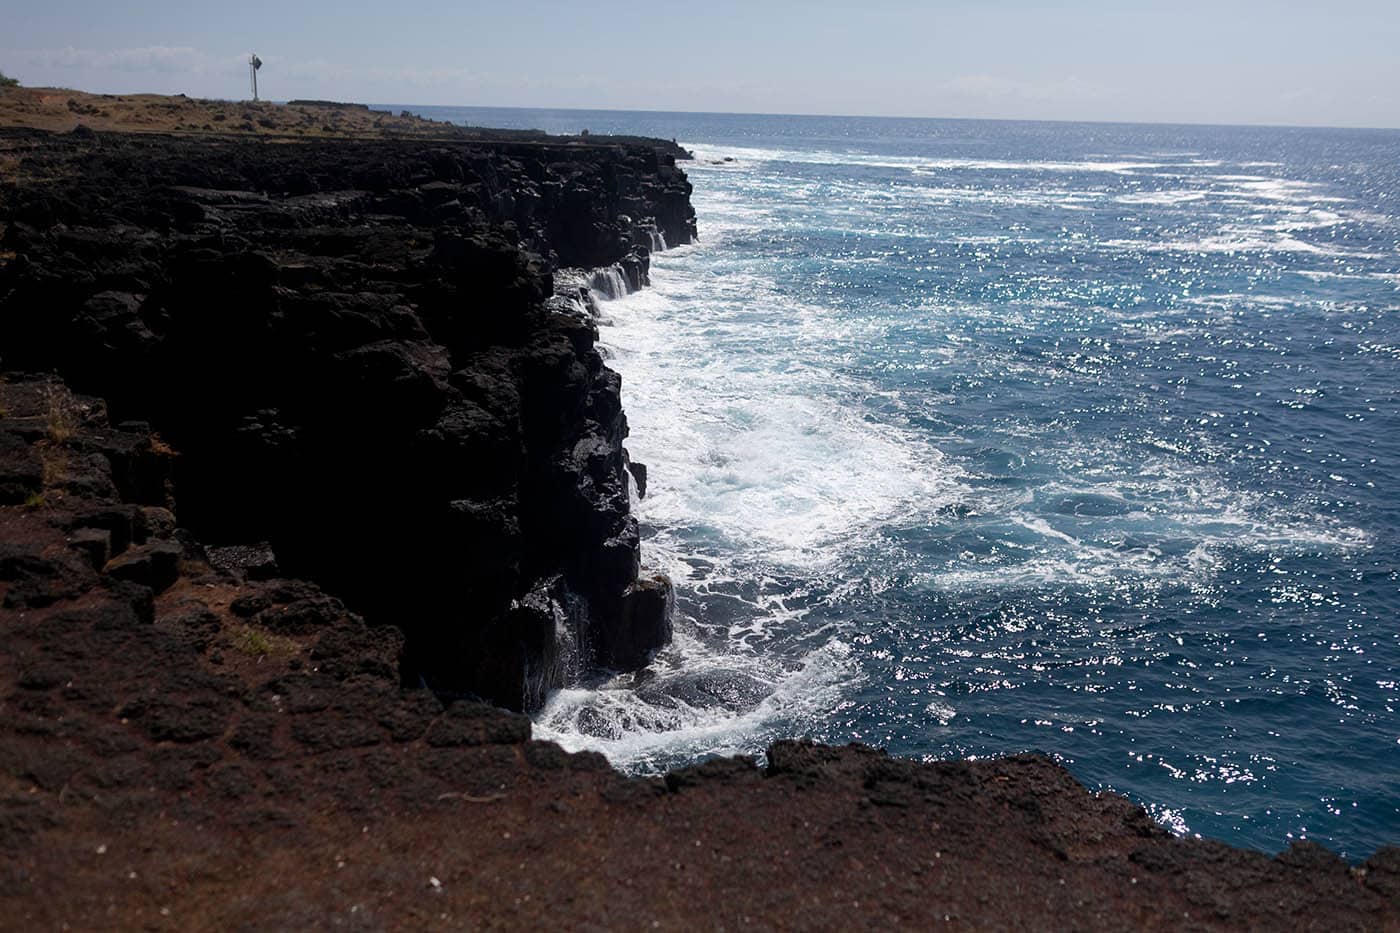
x,y
355,348
187,742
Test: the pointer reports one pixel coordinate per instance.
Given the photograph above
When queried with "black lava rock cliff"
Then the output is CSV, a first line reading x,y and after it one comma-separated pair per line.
x,y
354,349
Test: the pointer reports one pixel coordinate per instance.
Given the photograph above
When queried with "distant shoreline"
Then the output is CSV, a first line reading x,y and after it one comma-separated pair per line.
x,y
62,110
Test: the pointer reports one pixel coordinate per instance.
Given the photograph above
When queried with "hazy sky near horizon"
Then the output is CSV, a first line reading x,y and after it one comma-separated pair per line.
x,y
1227,61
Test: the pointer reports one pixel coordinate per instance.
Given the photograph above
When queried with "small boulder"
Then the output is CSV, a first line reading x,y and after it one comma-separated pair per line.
x,y
155,522
156,564
122,522
95,544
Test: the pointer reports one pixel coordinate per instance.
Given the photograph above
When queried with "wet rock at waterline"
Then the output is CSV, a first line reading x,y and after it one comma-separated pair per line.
x,y
645,623
639,477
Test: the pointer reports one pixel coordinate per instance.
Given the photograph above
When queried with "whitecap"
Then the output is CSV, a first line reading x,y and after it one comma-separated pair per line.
x,y
695,702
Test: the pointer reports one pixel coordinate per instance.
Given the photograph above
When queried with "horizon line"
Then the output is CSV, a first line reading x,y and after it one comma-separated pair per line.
x,y
882,116
765,113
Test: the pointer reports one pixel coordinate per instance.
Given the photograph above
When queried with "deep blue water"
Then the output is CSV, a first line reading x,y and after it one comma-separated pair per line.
x,y
968,438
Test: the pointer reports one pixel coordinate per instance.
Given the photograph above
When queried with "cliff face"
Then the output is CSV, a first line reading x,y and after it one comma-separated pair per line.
x,y
354,349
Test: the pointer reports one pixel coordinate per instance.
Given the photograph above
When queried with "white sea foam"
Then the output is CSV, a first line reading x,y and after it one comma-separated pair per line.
x,y
999,165
1161,198
608,283
1008,197
1241,300
1181,521
1292,191
757,450
1304,218
1239,240
747,156
1043,528
696,701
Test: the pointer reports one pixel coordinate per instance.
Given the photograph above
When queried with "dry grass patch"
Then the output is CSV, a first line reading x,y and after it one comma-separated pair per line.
x,y
62,419
159,446
256,642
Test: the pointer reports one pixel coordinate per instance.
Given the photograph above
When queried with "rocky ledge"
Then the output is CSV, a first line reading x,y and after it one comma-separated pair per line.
x,y
188,741
355,348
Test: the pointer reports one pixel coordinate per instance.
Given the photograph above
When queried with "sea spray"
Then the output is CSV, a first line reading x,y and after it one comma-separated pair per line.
x,y
609,283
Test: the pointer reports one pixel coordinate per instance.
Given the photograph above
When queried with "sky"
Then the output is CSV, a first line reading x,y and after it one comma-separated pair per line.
x,y
1227,61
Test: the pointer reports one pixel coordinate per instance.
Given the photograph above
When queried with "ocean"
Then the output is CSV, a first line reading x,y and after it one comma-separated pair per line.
x,y
968,438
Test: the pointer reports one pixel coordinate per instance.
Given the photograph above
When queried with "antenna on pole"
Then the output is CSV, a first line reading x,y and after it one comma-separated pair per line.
x,y
254,63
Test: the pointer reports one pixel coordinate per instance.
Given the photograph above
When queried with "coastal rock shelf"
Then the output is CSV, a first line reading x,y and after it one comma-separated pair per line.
x,y
190,741
351,346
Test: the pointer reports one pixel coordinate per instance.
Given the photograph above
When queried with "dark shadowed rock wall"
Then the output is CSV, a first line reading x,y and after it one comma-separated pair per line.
x,y
353,349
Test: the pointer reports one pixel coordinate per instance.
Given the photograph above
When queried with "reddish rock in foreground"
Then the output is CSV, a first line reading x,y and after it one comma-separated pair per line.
x,y
183,747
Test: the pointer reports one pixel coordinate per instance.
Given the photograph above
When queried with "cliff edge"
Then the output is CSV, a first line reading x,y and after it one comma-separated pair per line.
x,y
356,349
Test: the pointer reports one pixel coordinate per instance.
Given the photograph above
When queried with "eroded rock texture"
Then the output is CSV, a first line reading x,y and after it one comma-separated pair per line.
x,y
352,346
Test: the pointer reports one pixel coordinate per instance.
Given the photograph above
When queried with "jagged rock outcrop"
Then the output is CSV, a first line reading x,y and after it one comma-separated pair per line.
x,y
353,349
